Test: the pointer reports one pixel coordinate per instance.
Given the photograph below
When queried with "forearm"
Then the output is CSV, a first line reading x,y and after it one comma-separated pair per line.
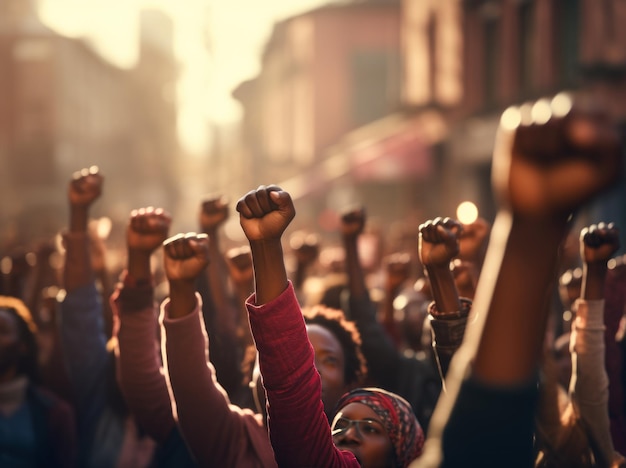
x,y
448,330
141,380
356,278
139,265
218,272
388,320
443,289
79,217
203,411
517,309
593,280
299,276
270,275
77,271
182,298
292,384
590,383
84,349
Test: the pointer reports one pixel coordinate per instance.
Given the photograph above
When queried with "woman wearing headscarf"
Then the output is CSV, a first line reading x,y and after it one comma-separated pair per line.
x,y
371,427
376,415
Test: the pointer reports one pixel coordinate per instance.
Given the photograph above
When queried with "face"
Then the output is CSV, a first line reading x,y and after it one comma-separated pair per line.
x,y
330,363
366,439
10,346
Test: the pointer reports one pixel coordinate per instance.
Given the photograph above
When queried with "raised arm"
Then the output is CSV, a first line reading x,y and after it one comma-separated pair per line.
x,y
473,241
548,161
298,427
84,189
397,268
213,214
239,262
221,313
438,245
352,225
82,325
305,248
141,380
217,434
590,384
379,350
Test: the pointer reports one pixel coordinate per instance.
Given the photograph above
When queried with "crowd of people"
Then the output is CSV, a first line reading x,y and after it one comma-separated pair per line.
x,y
191,355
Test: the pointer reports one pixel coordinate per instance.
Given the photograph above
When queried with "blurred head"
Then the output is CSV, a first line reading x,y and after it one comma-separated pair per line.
x,y
18,345
338,356
379,427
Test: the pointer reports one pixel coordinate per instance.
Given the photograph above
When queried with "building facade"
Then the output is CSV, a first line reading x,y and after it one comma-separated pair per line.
x,y
62,108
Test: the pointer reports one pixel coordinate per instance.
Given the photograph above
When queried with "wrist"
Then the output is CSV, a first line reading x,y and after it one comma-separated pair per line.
x,y
79,215
139,264
209,230
461,313
131,280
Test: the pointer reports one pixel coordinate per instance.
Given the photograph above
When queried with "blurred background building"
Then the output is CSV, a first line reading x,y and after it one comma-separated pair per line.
x,y
391,104
396,104
63,107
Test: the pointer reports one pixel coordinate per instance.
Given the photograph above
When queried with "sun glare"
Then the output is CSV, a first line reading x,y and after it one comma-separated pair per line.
x,y
217,43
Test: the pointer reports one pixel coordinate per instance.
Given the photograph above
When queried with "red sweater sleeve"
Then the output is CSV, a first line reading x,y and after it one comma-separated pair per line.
x,y
298,426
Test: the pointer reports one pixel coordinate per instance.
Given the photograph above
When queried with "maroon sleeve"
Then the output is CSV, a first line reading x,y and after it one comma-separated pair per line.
x,y
298,426
139,366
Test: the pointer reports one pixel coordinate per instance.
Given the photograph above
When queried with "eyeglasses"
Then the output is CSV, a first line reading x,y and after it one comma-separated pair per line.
x,y
364,427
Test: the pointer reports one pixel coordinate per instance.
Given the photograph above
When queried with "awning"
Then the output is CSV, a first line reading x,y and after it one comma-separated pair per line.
x,y
397,147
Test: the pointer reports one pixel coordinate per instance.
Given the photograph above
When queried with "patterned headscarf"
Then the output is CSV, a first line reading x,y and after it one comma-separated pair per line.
x,y
396,414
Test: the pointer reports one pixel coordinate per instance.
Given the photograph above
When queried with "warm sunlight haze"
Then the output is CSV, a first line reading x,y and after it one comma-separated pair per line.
x,y
217,43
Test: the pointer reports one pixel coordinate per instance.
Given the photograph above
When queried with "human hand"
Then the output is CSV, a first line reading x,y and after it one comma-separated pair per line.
x,y
239,261
398,269
147,229
599,242
265,213
551,157
473,240
465,277
85,187
353,222
185,256
439,241
305,247
213,212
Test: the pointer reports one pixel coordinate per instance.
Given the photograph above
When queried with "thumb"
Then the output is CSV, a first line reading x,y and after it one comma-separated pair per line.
x,y
281,198
284,204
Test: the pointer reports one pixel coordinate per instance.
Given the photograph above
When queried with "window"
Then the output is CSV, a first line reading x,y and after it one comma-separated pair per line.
x,y
375,85
566,26
492,49
525,41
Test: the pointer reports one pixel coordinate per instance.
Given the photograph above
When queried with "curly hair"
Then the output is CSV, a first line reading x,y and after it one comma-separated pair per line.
x,y
348,336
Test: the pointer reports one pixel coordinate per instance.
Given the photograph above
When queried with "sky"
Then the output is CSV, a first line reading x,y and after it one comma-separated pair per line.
x,y
218,43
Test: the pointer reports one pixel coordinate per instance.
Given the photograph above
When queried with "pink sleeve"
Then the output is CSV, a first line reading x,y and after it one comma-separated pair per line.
x,y
139,368
217,433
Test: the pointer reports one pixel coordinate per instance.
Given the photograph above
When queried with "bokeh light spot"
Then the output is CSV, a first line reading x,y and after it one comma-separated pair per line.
x,y
467,212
